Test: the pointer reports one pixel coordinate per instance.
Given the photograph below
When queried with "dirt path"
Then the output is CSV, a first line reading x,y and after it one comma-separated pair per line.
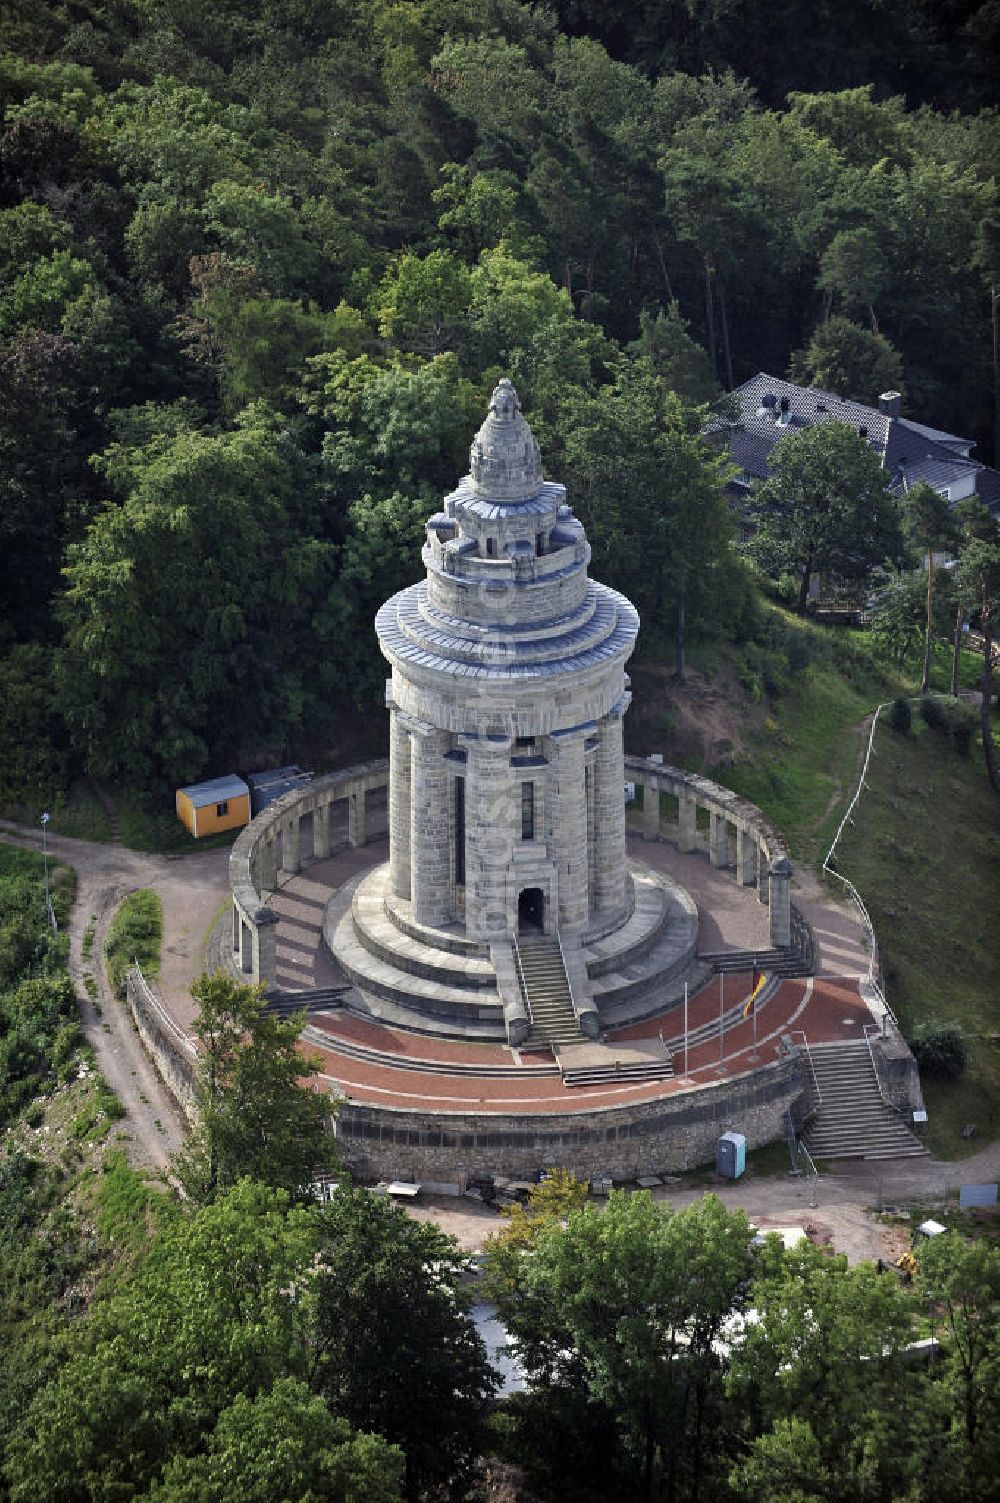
x,y
191,888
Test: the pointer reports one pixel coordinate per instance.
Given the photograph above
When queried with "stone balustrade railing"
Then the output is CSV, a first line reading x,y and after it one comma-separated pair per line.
x,y
740,836
272,842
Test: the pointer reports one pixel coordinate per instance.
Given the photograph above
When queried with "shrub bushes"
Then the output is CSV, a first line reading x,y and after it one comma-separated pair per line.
x,y
940,1048
135,936
901,716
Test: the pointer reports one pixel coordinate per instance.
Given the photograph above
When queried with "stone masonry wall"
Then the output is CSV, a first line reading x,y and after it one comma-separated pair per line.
x,y
666,1135
172,1052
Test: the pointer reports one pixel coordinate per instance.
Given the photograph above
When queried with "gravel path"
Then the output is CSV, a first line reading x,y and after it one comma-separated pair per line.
x,y
191,888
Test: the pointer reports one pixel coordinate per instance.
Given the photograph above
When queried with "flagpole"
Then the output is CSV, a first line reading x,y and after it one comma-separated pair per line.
x,y
753,1054
685,1028
722,1023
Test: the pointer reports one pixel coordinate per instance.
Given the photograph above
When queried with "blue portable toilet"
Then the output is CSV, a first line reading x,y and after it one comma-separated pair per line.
x,y
731,1155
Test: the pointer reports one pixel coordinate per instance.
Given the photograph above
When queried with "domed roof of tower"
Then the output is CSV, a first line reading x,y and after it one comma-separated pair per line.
x,y
505,459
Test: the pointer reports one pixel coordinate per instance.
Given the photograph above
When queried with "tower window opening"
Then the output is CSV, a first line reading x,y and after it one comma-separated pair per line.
x,y
460,831
491,547
527,811
539,543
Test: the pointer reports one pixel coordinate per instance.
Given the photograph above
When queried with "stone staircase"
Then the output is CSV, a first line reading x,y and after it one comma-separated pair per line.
x,y
550,1005
851,1120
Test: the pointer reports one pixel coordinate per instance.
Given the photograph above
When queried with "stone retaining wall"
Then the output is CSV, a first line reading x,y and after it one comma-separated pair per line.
x,y
170,1049
666,1135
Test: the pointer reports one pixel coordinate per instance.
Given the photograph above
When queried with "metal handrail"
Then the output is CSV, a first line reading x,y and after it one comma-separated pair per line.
x,y
871,1031
569,984
812,1069
521,980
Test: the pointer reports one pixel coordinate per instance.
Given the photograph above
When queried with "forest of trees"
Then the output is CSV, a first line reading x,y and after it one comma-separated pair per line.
x,y
261,266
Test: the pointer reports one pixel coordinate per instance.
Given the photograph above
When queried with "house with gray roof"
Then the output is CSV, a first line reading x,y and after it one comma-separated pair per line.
x,y
768,408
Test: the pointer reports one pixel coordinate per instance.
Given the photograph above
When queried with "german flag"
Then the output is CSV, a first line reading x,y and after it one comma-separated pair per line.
x,y
759,982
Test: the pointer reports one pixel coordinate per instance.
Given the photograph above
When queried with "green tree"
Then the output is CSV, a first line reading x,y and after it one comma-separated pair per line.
x,y
825,507
677,358
852,362
626,1307
421,301
930,526
959,1283
283,1444
255,1116
395,1351
819,1362
853,272
170,655
650,492
979,585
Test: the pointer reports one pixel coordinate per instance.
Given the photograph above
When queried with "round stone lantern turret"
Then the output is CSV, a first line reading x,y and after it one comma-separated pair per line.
x,y
508,687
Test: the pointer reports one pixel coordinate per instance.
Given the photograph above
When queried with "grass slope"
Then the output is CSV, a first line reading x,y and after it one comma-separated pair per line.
x,y
924,852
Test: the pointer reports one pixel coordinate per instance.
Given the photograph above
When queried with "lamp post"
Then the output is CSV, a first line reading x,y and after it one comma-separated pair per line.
x,y
49,910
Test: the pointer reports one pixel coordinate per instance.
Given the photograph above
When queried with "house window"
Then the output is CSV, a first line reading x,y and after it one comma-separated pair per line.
x,y
527,811
222,808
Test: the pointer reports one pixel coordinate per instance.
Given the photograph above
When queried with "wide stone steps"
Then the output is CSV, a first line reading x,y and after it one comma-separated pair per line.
x,y
318,999
550,1003
619,1074
350,1048
851,1120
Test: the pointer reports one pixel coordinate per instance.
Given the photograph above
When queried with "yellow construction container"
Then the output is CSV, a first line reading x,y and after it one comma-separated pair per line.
x,y
208,808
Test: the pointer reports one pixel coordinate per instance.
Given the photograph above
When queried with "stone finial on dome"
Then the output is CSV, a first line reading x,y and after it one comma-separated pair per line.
x,y
505,459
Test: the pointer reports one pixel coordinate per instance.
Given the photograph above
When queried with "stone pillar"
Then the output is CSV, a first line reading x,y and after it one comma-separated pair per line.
x,y
569,827
291,858
268,864
609,818
321,831
746,858
356,818
265,968
492,813
687,822
650,811
430,863
399,806
781,903
237,929
246,946
763,880
718,839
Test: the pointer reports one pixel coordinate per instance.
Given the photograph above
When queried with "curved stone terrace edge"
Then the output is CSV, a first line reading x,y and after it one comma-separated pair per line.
x,y
760,857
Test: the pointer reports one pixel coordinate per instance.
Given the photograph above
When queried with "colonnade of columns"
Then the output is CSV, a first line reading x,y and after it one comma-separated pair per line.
x,y
734,840
276,844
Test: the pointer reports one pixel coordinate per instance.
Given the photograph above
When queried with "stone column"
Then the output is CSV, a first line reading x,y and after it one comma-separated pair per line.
x,y
291,858
746,858
763,880
399,806
268,864
650,811
687,822
609,817
237,929
569,827
430,864
781,904
246,946
492,812
718,839
265,969
356,818
321,831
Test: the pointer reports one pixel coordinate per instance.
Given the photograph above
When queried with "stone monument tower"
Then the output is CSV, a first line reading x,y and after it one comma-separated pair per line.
x,y
507,909
508,688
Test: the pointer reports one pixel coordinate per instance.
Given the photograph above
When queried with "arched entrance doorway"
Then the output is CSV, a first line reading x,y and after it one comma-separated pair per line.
x,y
530,911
